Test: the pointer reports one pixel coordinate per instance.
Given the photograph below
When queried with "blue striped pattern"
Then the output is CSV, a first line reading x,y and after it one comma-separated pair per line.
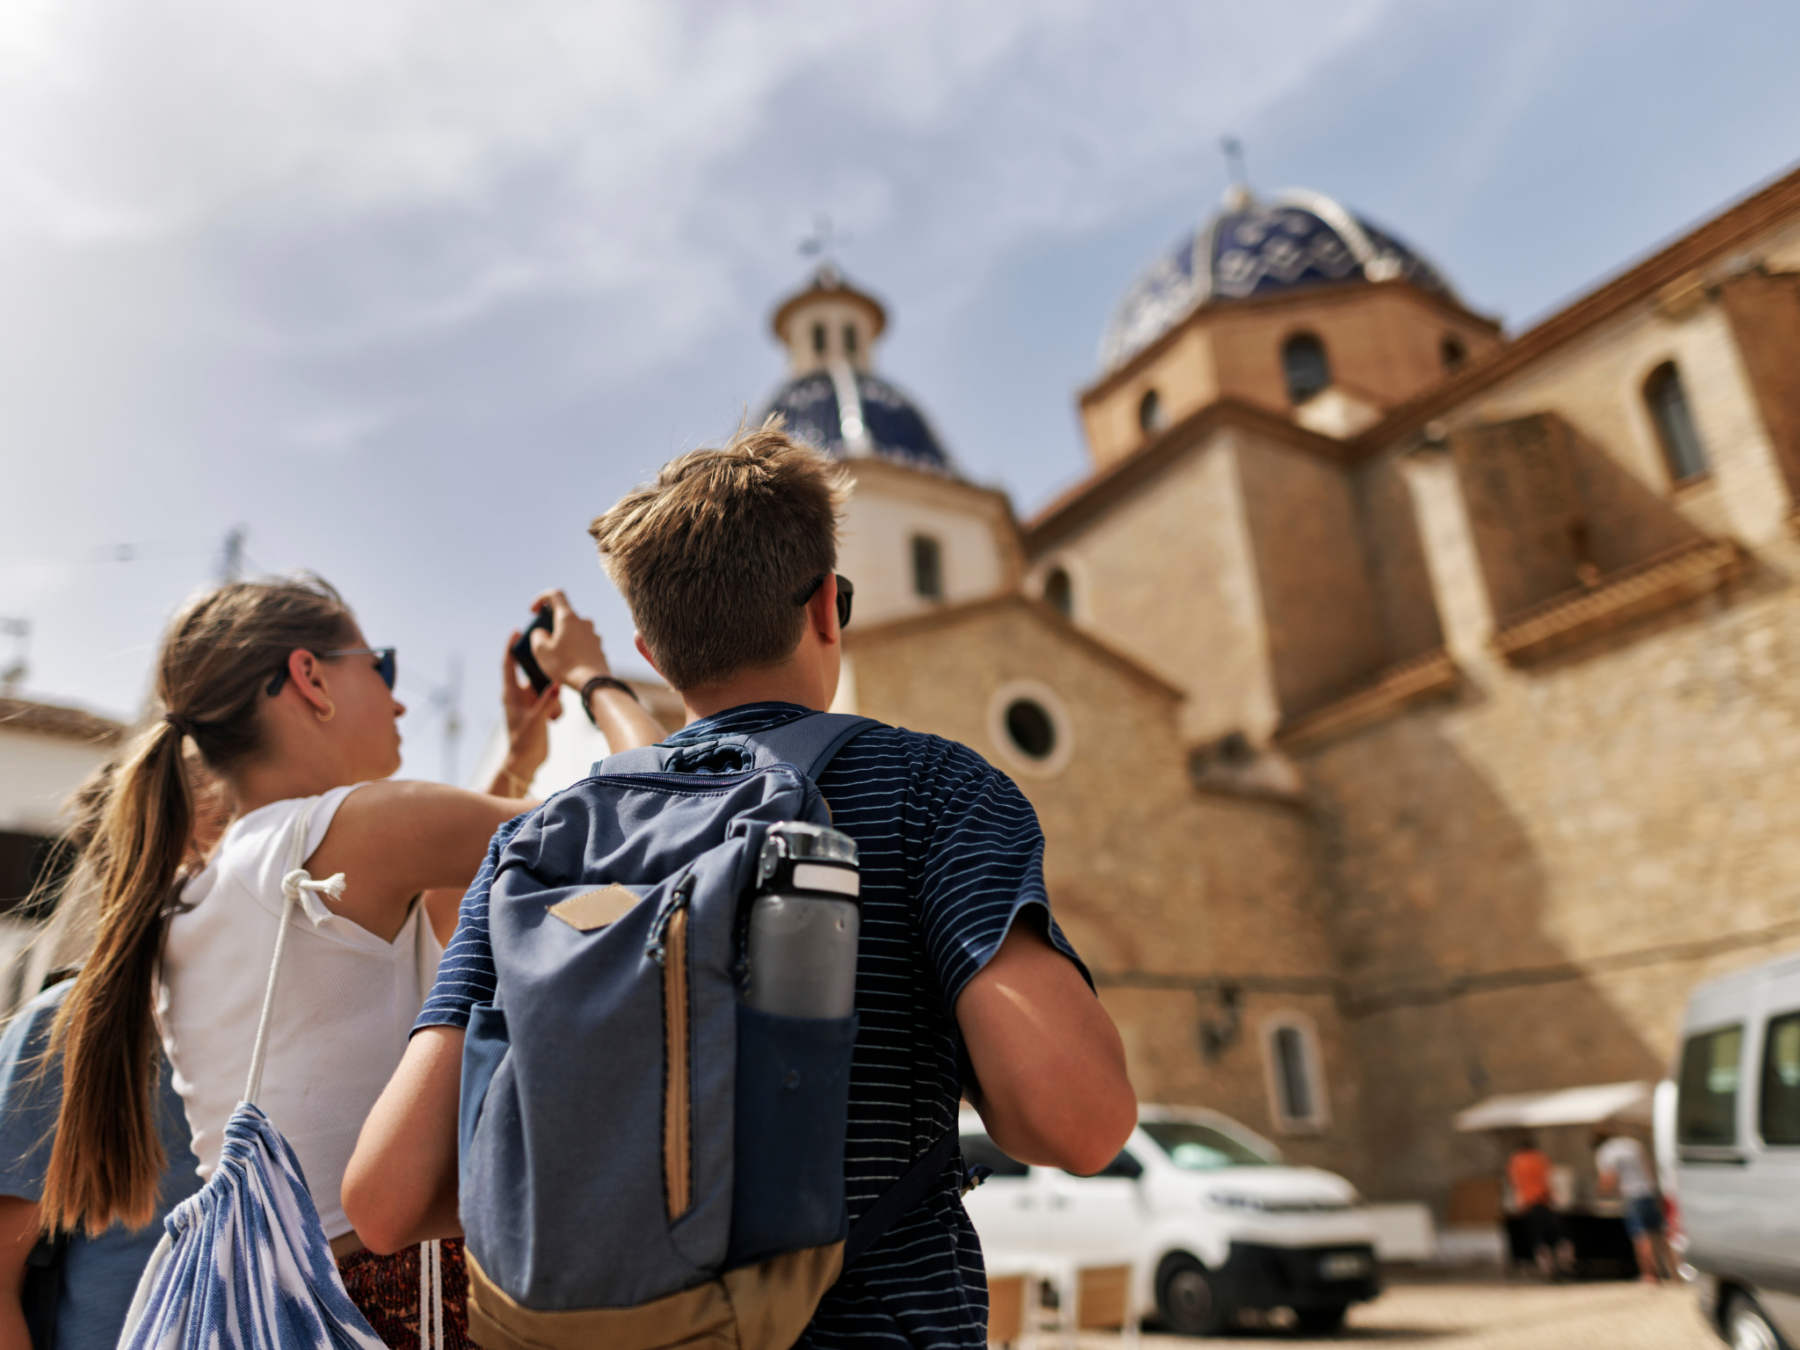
x,y
245,1264
950,852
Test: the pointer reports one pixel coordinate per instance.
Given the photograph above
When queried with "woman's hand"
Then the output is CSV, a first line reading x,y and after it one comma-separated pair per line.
x,y
570,653
528,718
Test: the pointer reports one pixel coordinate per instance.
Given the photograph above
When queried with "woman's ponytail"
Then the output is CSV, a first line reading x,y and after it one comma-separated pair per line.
x,y
107,1160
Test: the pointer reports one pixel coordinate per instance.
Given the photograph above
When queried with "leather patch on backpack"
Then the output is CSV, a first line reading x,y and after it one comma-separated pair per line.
x,y
595,909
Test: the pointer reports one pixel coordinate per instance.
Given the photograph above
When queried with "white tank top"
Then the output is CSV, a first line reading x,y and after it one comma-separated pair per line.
x,y
344,1002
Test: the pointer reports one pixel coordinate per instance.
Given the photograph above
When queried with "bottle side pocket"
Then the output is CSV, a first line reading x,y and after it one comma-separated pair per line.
x,y
793,1107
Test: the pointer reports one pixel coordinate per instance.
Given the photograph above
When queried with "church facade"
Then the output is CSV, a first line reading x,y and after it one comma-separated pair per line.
x,y
1407,703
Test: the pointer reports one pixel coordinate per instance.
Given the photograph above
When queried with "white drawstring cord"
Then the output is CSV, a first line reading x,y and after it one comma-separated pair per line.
x,y
431,1296
299,885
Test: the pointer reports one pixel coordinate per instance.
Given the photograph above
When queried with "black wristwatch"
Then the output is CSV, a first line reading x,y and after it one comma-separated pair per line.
x,y
603,682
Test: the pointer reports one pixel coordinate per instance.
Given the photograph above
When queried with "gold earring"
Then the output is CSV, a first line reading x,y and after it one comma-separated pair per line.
x,y
329,713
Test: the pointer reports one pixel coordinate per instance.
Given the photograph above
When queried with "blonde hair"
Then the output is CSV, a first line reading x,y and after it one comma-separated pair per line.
x,y
217,657
716,556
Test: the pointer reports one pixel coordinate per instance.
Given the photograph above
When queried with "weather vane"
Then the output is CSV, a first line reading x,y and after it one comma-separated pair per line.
x,y
824,242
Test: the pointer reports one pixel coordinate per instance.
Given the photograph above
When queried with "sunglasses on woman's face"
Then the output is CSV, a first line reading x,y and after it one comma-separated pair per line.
x,y
387,665
845,594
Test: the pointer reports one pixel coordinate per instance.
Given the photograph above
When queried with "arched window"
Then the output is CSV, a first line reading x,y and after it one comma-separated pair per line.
x,y
1681,446
1295,1077
1059,592
927,567
1452,353
1150,415
819,338
850,340
1303,362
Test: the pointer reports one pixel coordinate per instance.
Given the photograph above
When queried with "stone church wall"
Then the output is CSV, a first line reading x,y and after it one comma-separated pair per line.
x,y
1532,878
1173,563
1324,634
1167,893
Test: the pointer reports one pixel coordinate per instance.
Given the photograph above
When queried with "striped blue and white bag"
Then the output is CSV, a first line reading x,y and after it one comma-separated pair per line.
x,y
244,1264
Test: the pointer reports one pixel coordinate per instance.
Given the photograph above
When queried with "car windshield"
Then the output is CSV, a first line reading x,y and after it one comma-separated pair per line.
x,y
1201,1148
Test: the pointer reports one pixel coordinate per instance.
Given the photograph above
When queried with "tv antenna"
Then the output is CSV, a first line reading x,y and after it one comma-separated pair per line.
x,y
446,699
13,673
231,556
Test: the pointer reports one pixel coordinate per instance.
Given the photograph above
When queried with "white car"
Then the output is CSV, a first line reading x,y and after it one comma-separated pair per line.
x,y
1205,1212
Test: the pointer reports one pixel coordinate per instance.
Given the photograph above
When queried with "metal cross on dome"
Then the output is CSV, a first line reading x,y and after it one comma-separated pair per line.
x,y
1234,160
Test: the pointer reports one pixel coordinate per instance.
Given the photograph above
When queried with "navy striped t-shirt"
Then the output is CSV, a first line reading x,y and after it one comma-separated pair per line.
x,y
950,853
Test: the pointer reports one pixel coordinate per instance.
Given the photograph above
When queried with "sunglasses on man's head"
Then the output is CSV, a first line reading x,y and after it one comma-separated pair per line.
x,y
387,665
846,593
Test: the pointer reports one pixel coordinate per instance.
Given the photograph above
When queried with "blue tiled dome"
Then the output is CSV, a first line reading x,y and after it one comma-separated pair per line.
x,y
1259,248
881,421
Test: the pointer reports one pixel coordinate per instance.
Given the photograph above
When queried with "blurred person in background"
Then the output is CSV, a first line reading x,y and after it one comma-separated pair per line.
x,y
71,1291
283,700
1528,1173
1624,1169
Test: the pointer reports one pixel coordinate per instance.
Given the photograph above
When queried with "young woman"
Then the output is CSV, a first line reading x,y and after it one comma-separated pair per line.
x,y
288,705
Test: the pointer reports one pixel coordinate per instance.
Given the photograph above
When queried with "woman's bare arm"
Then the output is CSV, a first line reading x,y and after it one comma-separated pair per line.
x,y
400,1187
19,1224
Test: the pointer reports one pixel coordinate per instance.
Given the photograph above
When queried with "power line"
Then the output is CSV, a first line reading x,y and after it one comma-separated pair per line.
x,y
107,553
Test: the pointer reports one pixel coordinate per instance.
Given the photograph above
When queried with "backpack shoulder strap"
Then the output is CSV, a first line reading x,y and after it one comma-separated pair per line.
x,y
810,743
913,1186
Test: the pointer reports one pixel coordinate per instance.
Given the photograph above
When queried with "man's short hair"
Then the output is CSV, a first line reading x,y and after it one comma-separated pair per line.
x,y
716,556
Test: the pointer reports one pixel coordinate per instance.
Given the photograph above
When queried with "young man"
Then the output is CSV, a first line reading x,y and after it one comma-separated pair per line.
x,y
728,562
1624,1170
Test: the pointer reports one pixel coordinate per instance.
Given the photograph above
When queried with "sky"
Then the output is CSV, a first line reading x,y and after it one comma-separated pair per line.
x,y
410,292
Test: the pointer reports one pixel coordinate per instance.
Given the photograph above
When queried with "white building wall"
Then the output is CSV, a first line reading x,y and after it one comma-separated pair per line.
x,y
875,552
37,773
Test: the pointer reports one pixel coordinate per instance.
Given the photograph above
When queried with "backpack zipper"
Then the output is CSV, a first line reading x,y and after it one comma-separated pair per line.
x,y
668,945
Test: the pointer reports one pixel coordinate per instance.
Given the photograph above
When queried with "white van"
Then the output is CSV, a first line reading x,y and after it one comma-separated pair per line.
x,y
1203,1209
1737,1151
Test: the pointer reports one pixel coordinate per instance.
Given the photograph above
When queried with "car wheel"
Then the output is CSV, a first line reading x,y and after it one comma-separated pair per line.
x,y
1321,1321
1187,1298
1746,1328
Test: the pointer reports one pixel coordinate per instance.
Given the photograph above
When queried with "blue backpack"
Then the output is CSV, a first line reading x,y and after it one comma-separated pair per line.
x,y
645,1161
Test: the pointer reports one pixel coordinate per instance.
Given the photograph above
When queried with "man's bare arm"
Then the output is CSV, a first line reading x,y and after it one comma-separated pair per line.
x,y
1049,1066
400,1187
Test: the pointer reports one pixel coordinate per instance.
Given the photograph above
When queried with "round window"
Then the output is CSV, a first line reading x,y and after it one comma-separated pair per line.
x,y
1030,728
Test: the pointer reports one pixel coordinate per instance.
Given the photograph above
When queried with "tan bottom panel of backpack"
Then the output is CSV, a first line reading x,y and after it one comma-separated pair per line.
x,y
760,1307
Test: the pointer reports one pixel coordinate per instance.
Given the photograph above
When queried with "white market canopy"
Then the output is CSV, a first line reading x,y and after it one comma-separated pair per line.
x,y
1570,1106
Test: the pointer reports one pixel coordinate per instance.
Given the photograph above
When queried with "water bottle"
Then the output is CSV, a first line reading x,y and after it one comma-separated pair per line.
x,y
804,923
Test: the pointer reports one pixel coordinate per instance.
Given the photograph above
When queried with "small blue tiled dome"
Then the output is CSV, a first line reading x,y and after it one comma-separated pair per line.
x,y
1259,248
850,412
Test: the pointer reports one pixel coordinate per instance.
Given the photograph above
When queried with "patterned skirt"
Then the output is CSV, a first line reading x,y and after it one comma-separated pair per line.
x,y
386,1290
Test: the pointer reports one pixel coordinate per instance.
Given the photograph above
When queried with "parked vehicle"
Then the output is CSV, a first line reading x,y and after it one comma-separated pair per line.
x,y
1206,1213
1737,1152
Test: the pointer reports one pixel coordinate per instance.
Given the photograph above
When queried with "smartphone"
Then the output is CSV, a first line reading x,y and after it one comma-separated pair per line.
x,y
521,650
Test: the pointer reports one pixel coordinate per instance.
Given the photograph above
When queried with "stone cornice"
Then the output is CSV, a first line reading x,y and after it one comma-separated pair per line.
x,y
1731,229
1433,675
1657,584
947,616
